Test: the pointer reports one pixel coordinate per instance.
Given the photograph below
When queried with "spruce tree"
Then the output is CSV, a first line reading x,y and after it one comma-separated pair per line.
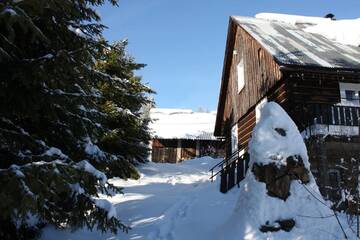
x,y
57,120
124,97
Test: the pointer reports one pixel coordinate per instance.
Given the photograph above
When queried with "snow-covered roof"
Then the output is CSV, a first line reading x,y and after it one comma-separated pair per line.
x,y
182,124
345,31
292,45
301,21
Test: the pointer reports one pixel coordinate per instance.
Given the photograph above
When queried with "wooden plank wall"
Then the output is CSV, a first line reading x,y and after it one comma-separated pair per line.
x,y
261,74
164,150
279,93
311,87
245,127
188,149
164,155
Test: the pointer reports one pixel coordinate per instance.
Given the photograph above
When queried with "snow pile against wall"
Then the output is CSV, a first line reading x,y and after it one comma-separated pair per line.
x,y
345,31
262,212
182,123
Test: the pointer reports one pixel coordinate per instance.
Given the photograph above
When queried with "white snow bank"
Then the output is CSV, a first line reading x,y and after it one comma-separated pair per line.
x,y
255,207
182,123
346,31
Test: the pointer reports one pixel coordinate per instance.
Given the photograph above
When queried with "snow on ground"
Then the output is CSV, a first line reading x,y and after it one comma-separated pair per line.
x,y
182,123
345,31
177,202
169,201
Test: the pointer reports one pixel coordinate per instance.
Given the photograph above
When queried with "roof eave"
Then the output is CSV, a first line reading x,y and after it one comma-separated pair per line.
x,y
294,67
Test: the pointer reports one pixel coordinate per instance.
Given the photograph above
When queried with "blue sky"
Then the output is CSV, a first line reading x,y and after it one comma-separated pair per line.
x,y
183,41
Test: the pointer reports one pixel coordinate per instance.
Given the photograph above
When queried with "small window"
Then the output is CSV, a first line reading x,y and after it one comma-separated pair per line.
x,y
234,138
350,95
240,75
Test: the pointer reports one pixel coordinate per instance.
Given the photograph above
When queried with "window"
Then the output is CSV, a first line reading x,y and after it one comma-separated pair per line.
x,y
350,95
234,138
240,75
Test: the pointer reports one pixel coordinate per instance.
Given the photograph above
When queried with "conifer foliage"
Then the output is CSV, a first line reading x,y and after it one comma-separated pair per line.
x,y
70,114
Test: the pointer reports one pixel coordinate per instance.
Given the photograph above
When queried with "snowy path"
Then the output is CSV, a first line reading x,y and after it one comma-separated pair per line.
x,y
169,201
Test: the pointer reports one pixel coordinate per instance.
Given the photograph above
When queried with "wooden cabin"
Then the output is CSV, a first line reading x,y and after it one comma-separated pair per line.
x,y
182,134
316,80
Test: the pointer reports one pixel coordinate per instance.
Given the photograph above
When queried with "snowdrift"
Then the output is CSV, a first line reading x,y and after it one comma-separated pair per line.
x,y
256,209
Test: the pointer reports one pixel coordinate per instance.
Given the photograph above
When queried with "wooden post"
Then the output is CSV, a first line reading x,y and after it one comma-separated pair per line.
x,y
319,145
197,148
247,160
178,151
357,203
240,171
150,152
223,180
231,182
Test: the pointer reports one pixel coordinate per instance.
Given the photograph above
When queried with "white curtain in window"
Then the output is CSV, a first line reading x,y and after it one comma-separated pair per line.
x,y
240,75
234,138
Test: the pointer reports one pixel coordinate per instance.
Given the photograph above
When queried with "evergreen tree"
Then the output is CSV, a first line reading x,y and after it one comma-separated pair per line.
x,y
124,97
61,113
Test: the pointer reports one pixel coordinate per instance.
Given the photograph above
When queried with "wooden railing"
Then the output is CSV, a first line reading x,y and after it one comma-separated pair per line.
x,y
232,170
333,115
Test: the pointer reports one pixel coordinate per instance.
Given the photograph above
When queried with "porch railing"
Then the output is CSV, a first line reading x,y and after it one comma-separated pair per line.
x,y
232,170
332,114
